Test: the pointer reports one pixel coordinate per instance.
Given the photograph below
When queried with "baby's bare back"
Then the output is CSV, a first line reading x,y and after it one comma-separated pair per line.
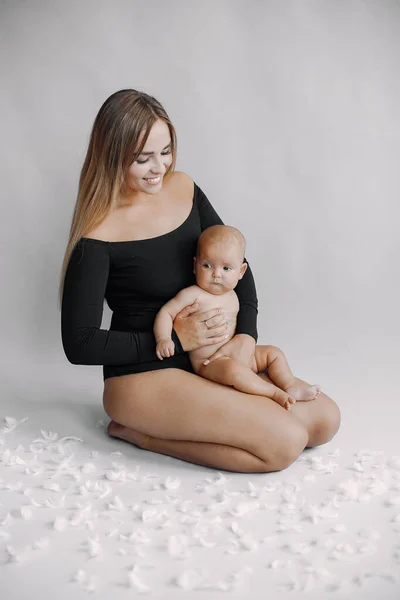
x,y
229,305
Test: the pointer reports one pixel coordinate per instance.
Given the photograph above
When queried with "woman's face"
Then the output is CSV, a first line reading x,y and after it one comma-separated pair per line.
x,y
152,163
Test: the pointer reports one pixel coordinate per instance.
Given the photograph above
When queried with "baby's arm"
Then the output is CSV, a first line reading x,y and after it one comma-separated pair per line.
x,y
165,317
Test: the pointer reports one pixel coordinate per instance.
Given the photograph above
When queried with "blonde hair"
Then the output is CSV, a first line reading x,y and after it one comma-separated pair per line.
x,y
113,147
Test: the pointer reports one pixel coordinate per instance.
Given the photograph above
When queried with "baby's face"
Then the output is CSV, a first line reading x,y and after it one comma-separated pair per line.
x,y
219,267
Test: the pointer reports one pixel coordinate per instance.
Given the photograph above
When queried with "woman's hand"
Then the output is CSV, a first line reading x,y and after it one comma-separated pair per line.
x,y
241,347
201,329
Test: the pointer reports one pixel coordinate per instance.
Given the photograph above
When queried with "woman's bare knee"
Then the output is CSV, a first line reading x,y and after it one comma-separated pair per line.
x,y
290,439
326,425
298,441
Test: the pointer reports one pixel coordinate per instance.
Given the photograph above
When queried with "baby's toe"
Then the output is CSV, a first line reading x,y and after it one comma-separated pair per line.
x,y
316,389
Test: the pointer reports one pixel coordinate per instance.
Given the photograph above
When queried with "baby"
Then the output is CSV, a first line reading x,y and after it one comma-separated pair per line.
x,y
218,266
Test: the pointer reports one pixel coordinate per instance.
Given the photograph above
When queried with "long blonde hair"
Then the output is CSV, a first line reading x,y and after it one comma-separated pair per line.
x,y
113,147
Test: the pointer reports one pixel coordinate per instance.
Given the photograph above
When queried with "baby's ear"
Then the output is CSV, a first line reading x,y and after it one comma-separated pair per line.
x,y
194,265
243,270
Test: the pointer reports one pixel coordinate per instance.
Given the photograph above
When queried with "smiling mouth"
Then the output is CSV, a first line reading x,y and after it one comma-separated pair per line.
x,y
153,180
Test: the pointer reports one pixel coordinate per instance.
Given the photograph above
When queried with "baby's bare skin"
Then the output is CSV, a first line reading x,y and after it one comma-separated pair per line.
x,y
218,266
225,373
229,306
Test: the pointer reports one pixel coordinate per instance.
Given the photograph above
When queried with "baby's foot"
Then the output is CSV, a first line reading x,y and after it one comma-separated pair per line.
x,y
303,391
283,398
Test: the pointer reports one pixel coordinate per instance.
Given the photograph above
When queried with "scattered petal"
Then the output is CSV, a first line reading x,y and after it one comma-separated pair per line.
x,y
393,501
137,584
26,512
172,484
244,508
178,546
79,576
7,520
118,504
51,486
190,579
60,524
41,543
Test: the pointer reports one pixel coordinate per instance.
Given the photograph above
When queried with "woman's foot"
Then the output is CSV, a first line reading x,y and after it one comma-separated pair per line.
x,y
128,435
303,391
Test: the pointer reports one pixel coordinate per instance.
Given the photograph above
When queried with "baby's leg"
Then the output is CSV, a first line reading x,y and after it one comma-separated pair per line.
x,y
273,359
232,373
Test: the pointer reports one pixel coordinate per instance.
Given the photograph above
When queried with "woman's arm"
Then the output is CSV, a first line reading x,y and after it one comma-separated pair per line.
x,y
245,289
83,341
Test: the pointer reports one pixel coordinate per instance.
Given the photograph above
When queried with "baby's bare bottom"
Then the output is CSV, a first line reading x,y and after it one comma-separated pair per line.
x,y
233,373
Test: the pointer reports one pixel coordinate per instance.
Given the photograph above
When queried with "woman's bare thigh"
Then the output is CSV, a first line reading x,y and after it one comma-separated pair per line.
x,y
176,405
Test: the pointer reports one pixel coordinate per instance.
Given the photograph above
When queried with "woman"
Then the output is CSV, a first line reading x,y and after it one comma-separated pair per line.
x,y
133,237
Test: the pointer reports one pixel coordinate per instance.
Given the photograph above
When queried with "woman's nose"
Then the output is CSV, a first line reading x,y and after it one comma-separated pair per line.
x,y
159,168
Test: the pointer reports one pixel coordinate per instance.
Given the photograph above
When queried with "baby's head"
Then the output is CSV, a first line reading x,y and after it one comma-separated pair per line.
x,y
219,263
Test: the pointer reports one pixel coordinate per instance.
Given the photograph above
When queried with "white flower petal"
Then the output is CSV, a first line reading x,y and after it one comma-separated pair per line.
x,y
41,543
137,584
279,564
117,505
245,507
178,546
7,520
79,576
393,501
26,512
189,579
172,484
60,524
248,542
51,486
394,463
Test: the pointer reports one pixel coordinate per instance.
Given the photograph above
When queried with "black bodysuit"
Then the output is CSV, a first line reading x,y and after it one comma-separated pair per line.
x,y
137,278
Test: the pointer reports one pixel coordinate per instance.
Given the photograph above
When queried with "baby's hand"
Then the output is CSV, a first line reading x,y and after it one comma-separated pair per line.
x,y
165,348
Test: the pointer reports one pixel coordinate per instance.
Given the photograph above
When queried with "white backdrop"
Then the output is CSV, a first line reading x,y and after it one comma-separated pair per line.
x,y
287,116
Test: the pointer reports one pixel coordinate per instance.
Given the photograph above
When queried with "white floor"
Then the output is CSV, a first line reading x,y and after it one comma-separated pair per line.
x,y
81,513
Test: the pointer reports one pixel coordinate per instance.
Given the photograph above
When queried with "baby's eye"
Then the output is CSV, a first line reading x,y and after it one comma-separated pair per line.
x,y
227,268
206,265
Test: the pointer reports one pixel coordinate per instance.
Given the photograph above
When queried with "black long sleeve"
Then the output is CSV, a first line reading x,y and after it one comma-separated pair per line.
x,y
83,341
245,289
136,278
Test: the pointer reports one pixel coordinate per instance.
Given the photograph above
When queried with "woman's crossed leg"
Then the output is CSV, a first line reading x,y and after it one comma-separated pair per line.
x,y
180,414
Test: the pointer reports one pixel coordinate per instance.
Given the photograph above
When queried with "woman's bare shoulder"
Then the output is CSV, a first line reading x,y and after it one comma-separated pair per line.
x,y
181,175
180,189
181,180
103,232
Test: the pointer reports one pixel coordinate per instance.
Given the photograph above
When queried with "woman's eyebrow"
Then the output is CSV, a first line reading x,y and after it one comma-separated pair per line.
x,y
148,153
